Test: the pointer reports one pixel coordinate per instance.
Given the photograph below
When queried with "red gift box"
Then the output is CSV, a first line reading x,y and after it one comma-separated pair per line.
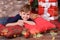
x,y
40,10
53,11
46,25
41,26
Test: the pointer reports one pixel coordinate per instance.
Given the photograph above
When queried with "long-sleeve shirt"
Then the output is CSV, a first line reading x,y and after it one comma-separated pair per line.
x,y
15,19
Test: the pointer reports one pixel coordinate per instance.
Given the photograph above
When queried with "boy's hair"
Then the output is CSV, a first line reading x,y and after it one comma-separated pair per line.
x,y
26,8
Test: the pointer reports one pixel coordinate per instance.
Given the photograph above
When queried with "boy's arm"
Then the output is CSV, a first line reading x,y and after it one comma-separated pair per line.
x,y
13,19
19,22
30,22
11,24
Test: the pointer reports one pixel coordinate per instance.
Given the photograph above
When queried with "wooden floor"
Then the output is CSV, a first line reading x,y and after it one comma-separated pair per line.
x,y
44,37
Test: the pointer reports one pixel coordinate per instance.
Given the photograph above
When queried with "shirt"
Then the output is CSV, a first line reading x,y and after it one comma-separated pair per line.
x,y
15,19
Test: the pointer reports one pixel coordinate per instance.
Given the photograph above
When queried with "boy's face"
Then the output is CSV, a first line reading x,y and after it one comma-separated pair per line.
x,y
25,15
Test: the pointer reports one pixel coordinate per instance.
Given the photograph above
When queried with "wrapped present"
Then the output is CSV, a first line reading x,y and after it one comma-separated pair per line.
x,y
53,11
11,31
41,26
53,7
49,7
44,23
41,10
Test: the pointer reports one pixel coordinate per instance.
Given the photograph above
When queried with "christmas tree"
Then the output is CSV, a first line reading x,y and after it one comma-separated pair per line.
x,y
34,5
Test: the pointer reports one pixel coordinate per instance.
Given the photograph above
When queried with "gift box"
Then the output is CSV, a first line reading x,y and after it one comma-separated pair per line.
x,y
53,11
44,23
41,25
41,10
48,7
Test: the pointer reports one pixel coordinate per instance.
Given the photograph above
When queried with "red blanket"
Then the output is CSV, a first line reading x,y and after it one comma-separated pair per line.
x,y
11,31
1,28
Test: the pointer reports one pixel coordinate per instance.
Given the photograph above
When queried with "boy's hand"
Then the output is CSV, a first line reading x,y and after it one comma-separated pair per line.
x,y
20,22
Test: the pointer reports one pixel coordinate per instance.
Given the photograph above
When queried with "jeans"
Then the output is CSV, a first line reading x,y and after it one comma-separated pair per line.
x,y
3,20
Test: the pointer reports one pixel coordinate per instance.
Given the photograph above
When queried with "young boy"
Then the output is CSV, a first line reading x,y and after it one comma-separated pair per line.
x,y
23,16
19,20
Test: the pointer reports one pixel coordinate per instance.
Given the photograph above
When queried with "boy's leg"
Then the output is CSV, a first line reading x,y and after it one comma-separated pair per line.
x,y
3,20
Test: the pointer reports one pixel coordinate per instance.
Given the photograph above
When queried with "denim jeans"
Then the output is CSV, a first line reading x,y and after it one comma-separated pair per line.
x,y
3,20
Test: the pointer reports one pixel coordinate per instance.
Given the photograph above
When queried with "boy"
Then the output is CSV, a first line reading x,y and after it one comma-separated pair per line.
x,y
22,17
19,20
